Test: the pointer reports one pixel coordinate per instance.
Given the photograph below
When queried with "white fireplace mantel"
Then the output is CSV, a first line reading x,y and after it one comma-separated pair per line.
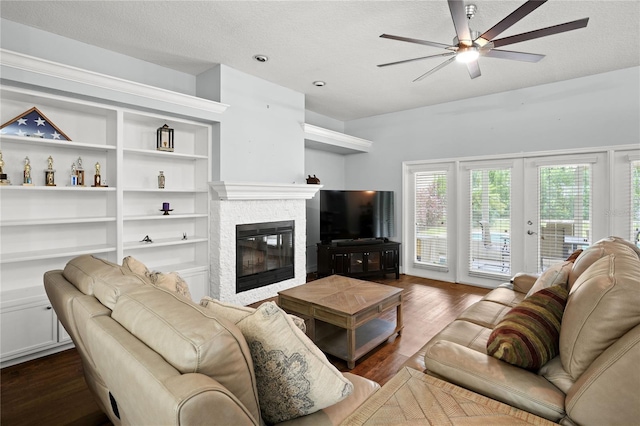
x,y
238,191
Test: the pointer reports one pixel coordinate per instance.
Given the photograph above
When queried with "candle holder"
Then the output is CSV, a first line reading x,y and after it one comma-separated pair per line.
x,y
165,208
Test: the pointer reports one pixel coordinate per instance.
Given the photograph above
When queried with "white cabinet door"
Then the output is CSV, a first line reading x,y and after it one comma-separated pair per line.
x,y
26,328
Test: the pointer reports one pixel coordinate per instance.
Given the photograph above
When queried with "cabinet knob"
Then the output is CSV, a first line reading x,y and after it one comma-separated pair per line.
x,y
49,308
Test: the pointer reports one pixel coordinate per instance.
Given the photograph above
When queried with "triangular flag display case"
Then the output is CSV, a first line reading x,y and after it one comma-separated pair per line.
x,y
33,123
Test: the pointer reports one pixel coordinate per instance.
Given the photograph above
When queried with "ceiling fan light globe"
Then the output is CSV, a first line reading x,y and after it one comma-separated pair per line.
x,y
467,54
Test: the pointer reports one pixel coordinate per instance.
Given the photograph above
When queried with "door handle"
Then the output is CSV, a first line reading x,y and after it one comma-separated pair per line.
x,y
530,232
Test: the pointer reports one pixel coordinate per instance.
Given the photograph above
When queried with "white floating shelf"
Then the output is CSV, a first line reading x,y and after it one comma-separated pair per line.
x,y
328,140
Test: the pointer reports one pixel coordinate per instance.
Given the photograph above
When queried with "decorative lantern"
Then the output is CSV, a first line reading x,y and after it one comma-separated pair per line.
x,y
164,139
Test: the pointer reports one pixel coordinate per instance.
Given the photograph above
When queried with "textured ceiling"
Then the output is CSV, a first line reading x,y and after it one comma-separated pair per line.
x,y
338,42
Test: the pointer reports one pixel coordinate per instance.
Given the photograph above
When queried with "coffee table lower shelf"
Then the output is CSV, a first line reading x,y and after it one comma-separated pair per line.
x,y
368,336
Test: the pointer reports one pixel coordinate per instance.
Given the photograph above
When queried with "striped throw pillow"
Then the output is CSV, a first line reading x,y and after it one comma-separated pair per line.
x,y
528,335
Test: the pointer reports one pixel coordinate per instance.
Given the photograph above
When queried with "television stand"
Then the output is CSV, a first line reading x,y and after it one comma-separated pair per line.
x,y
374,258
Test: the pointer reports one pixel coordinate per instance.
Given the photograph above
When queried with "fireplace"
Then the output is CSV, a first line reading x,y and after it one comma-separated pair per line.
x,y
238,203
264,254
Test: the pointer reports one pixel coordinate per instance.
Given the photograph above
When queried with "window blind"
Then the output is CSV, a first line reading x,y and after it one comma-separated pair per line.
x,y
634,202
490,222
564,211
431,218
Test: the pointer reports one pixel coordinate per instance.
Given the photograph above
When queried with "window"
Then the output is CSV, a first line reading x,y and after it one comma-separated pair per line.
x,y
431,218
490,222
564,211
635,202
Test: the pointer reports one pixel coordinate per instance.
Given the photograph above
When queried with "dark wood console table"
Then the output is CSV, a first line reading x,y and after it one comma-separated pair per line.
x,y
359,260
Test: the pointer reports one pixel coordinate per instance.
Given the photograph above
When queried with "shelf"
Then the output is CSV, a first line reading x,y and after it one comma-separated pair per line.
x,y
160,191
53,254
162,242
56,143
182,268
64,221
171,216
20,187
328,140
368,336
168,155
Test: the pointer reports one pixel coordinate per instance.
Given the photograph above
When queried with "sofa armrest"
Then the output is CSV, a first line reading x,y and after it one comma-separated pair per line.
x,y
145,389
607,392
523,282
495,379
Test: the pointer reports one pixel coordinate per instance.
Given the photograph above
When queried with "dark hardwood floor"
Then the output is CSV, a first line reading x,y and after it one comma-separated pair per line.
x,y
52,390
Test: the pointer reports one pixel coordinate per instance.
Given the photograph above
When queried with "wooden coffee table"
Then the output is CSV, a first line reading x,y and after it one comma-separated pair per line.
x,y
345,315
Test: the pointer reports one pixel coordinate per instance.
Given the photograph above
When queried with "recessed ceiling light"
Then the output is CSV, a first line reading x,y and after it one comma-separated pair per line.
x,y
261,58
319,83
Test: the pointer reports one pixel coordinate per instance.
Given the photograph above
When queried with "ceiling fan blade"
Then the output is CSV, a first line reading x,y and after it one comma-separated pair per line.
x,y
516,56
474,69
417,59
507,22
417,41
431,71
542,32
460,21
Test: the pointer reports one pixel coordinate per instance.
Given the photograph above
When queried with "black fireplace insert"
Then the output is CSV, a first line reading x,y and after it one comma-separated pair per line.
x,y
264,254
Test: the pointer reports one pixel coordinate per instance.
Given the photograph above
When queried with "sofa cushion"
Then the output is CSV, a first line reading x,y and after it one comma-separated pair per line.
x,y
294,377
528,335
191,339
604,304
598,250
172,281
485,313
555,274
98,277
235,313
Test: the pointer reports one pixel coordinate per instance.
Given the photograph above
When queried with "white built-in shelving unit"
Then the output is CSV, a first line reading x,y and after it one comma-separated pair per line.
x,y
43,227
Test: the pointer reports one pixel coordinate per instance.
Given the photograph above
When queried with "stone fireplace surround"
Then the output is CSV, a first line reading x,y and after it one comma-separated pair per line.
x,y
235,203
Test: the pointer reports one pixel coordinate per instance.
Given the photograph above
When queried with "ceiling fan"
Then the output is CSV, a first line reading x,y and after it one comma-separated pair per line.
x,y
468,45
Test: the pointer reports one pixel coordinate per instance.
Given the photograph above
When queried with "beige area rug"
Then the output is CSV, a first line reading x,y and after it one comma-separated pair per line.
x,y
414,398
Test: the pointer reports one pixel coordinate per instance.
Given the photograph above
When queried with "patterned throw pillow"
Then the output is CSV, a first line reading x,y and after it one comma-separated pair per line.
x,y
235,313
528,336
294,378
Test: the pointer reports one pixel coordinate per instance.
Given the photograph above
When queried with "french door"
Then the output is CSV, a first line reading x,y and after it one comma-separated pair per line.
x,y
480,221
564,207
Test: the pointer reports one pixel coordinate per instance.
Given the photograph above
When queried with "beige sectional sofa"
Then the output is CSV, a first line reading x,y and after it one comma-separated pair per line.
x,y
151,356
595,378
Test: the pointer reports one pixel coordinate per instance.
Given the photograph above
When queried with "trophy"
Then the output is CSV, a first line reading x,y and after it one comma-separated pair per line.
x,y
27,180
49,173
96,178
3,175
74,175
80,172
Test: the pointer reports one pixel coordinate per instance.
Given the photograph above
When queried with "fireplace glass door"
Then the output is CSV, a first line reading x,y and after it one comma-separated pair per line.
x,y
264,254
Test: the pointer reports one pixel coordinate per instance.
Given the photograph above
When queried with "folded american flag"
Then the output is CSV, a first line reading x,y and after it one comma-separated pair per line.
x,y
33,123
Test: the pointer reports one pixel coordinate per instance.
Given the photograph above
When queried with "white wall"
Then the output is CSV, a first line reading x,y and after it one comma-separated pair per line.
x,y
45,45
261,136
592,111
330,169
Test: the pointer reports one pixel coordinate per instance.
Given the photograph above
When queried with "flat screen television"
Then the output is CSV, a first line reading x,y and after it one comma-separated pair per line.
x,y
353,215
